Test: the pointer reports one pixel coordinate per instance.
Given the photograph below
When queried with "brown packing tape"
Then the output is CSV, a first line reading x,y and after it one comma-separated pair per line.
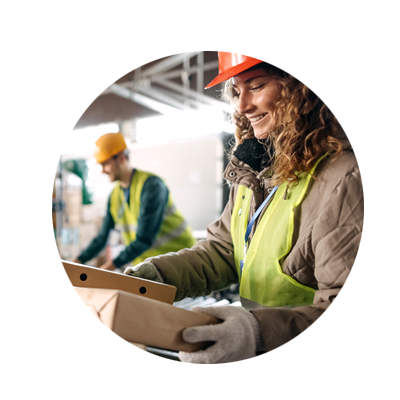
x,y
85,276
145,321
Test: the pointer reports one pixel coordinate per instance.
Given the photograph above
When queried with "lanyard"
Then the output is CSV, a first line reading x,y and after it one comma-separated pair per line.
x,y
251,223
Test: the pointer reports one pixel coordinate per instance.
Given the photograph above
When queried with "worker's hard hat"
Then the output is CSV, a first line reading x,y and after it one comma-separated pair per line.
x,y
109,145
231,64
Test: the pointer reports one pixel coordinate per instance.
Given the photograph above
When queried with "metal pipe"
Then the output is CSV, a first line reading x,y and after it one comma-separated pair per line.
x,y
176,96
177,73
185,74
200,72
106,90
167,63
162,96
141,99
198,96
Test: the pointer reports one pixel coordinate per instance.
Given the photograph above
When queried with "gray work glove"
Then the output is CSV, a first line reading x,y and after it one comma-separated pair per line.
x,y
145,270
236,338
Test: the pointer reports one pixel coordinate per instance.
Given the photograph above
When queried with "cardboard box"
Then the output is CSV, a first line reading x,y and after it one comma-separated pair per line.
x,y
145,321
76,348
92,277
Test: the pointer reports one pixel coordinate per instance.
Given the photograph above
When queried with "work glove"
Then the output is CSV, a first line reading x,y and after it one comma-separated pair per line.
x,y
236,338
145,270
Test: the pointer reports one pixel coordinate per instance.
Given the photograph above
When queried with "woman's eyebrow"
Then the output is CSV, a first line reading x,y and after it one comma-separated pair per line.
x,y
247,81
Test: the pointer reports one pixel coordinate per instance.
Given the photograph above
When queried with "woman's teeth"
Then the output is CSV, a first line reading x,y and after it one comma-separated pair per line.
x,y
255,119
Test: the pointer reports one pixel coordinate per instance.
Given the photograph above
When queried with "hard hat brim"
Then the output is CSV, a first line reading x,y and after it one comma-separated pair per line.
x,y
233,71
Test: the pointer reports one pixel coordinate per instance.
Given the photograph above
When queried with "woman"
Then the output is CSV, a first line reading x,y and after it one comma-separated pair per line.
x,y
291,229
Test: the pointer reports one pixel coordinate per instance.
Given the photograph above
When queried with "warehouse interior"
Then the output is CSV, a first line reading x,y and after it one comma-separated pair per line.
x,y
175,129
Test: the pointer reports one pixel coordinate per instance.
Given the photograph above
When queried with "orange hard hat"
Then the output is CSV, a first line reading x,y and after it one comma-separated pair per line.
x,y
109,145
231,64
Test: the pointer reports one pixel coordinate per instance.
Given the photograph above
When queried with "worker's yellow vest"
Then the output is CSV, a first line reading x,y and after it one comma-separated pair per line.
x,y
261,279
174,233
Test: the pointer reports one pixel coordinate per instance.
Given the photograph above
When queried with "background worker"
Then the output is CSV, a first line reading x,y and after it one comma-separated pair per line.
x,y
291,229
140,209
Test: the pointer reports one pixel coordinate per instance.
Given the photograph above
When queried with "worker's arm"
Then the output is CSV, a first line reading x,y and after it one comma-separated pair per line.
x,y
100,241
153,201
207,266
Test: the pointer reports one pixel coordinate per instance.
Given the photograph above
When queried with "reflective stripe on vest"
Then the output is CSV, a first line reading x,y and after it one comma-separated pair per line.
x,y
169,236
262,280
174,233
125,227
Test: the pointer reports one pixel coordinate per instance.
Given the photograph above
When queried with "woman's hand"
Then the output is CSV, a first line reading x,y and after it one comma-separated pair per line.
x,y
236,338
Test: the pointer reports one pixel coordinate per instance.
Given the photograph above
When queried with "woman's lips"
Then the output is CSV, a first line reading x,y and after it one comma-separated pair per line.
x,y
255,120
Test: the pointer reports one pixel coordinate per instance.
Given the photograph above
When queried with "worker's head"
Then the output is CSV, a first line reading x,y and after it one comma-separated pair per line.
x,y
112,153
271,104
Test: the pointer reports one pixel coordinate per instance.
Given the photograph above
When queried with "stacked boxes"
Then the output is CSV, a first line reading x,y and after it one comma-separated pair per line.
x,y
80,222
68,241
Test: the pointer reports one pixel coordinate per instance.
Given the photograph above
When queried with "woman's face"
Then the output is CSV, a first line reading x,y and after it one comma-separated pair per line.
x,y
256,94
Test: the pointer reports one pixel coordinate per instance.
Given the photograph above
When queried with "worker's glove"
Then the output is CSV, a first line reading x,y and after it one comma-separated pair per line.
x,y
236,338
145,270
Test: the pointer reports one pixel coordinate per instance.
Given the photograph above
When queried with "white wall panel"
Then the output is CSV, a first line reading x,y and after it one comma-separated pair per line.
x,y
192,170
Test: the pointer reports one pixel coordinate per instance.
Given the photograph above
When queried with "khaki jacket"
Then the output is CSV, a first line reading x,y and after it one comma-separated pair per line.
x,y
328,225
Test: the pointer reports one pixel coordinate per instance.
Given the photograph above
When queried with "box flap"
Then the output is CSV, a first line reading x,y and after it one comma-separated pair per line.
x,y
73,274
146,321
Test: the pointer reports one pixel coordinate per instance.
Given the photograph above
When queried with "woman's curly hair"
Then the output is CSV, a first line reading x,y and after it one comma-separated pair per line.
x,y
304,129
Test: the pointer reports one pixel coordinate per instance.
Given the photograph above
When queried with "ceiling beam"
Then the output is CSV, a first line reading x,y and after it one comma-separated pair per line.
x,y
142,100
163,96
196,95
167,63
175,97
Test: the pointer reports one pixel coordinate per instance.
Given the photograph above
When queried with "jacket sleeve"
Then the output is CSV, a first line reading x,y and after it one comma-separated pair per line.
x,y
99,242
153,201
335,240
206,267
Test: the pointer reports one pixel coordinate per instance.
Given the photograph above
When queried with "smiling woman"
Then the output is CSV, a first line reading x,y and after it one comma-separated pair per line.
x,y
271,104
291,230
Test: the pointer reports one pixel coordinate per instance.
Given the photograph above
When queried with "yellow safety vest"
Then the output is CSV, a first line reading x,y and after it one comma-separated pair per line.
x,y
174,233
261,278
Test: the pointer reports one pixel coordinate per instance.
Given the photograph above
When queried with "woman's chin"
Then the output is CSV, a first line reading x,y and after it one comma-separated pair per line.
x,y
261,134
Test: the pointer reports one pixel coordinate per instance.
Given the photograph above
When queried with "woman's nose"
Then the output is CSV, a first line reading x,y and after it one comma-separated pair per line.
x,y
244,104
